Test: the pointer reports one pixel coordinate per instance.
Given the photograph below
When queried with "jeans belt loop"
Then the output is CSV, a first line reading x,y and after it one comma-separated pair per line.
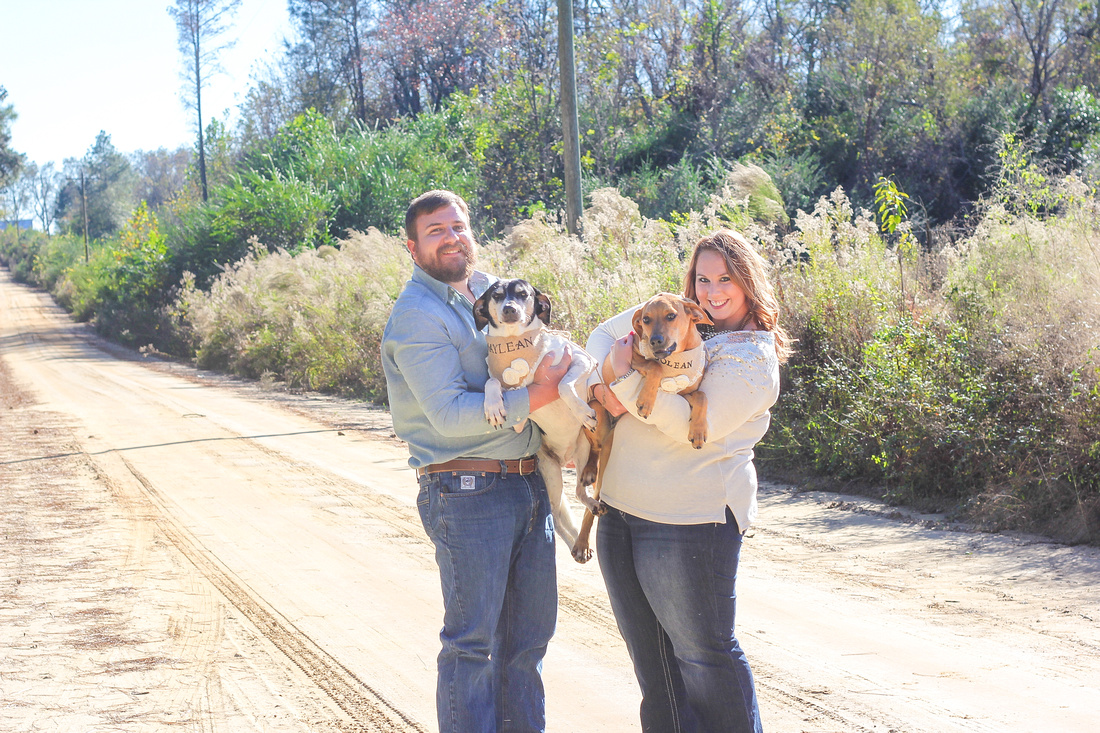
x,y
504,468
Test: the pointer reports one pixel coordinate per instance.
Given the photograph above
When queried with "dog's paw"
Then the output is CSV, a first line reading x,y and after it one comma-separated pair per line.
x,y
601,509
588,477
590,503
698,439
645,408
496,418
588,418
495,413
581,553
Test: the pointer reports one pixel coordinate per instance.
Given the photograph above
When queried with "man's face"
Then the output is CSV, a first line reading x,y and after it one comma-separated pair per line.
x,y
444,246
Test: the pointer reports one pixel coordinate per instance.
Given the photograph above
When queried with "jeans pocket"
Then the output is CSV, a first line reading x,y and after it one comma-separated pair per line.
x,y
423,503
463,485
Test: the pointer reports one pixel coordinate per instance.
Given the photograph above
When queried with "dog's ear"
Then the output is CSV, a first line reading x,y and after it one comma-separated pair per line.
x,y
542,306
696,312
636,321
481,310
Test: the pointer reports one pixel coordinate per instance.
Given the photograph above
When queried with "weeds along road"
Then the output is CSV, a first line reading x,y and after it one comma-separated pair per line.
x,y
183,549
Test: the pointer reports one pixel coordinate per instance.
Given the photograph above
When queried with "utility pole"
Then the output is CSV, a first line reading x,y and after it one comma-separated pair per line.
x,y
84,203
570,131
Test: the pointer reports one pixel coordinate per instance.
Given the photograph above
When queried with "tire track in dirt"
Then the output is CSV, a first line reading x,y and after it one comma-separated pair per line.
x,y
369,711
588,610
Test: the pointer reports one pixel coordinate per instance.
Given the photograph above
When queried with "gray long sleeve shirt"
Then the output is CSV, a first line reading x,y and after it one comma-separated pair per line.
x,y
434,361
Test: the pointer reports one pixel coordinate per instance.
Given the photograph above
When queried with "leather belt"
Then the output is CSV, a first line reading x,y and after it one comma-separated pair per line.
x,y
522,466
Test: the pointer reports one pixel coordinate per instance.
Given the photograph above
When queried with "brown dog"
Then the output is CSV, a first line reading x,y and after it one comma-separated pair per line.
x,y
668,353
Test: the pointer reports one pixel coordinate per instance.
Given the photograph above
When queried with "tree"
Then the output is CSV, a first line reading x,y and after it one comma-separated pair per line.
x,y
162,174
10,161
1043,26
109,184
202,25
332,45
42,184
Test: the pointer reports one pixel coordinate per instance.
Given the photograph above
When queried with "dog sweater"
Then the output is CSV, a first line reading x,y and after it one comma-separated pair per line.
x,y
683,369
512,358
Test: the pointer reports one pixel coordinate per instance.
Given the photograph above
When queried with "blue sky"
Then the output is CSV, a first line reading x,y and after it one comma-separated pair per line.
x,y
75,67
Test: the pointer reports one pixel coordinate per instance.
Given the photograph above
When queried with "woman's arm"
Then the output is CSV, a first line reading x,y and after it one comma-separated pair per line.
x,y
600,345
734,397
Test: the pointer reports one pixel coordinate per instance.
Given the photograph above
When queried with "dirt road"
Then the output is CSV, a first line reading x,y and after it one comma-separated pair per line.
x,y
179,549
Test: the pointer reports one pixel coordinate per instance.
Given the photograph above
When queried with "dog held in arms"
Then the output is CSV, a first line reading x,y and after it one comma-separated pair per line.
x,y
518,317
668,352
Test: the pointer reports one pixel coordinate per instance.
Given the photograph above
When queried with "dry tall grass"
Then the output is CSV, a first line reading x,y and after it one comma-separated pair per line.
x,y
962,379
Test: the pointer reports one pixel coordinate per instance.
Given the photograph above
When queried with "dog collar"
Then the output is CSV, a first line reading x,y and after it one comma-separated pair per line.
x,y
512,358
682,369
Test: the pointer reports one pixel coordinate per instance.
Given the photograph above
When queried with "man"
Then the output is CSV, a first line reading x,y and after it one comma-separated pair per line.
x,y
481,499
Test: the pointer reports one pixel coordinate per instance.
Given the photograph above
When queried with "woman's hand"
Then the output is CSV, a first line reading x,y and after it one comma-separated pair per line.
x,y
608,399
622,352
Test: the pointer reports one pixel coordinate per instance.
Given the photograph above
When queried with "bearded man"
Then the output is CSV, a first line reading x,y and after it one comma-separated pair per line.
x,y
481,499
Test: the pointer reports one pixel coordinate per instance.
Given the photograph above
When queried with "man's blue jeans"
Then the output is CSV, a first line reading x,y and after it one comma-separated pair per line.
x,y
672,591
494,544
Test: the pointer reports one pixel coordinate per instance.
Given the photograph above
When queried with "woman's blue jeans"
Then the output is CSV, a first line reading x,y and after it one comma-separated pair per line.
x,y
672,591
494,545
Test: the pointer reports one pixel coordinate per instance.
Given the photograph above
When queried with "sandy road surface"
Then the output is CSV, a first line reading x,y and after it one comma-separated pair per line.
x,y
180,551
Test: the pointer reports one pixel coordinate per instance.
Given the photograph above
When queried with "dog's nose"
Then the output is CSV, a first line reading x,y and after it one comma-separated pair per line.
x,y
656,340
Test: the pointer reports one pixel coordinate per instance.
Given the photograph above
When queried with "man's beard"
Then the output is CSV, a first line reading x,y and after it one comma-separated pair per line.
x,y
452,273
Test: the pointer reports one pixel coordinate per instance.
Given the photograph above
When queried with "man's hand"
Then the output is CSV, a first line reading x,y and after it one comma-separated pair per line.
x,y
544,385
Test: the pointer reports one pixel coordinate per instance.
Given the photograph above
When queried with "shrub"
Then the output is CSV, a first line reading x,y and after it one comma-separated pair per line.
x,y
975,392
313,320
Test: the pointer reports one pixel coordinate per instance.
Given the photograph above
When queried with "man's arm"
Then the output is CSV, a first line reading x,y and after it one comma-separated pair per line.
x,y
432,369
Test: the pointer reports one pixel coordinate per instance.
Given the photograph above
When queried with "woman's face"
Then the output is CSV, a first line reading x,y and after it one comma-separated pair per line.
x,y
720,296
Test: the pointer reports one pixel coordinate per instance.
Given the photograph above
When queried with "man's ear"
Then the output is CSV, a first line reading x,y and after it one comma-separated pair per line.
x,y
481,311
696,312
542,306
411,246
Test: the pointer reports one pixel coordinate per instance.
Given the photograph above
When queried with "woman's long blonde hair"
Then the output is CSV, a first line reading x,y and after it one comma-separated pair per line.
x,y
750,272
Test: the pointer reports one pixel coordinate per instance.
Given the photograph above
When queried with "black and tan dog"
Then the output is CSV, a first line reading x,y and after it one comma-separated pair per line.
x,y
668,352
518,316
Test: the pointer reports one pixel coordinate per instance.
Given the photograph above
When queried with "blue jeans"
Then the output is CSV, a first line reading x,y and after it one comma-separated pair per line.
x,y
494,544
672,591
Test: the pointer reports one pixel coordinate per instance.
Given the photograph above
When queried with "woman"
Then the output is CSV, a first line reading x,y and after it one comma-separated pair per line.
x,y
668,547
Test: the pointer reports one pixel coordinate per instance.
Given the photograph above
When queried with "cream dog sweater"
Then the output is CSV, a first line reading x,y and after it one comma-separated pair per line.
x,y
653,472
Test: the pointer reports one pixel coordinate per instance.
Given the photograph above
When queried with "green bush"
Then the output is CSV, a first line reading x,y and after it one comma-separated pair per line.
x,y
19,250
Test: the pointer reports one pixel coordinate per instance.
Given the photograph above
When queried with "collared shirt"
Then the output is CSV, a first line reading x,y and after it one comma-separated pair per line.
x,y
433,357
653,471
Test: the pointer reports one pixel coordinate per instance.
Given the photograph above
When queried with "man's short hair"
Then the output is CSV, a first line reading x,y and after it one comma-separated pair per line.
x,y
428,202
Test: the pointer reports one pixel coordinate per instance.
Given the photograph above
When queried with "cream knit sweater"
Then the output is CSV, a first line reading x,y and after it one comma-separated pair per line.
x,y
653,471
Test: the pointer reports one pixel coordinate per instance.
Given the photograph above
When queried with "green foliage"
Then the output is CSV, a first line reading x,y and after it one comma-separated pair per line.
x,y
281,211
1074,122
109,185
123,288
10,160
978,391
18,251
